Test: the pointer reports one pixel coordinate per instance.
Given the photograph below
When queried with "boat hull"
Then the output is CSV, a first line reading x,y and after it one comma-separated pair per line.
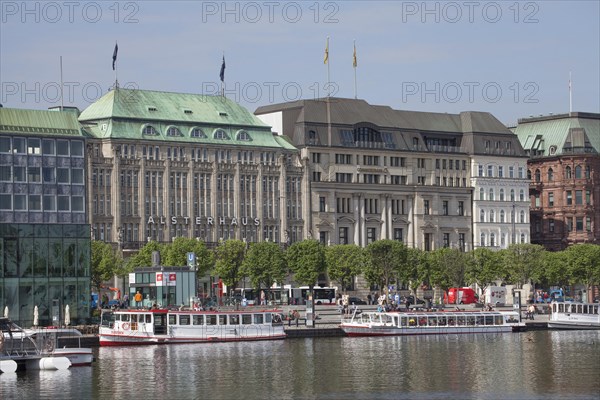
x,y
120,340
573,325
79,356
391,331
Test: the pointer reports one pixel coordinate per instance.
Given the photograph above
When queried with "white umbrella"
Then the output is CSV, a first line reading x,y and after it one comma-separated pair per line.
x,y
6,312
36,316
67,315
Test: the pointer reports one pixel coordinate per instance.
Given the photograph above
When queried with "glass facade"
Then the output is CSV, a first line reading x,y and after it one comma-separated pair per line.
x,y
47,265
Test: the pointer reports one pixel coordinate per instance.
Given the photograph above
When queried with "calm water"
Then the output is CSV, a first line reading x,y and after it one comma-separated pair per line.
x,y
531,365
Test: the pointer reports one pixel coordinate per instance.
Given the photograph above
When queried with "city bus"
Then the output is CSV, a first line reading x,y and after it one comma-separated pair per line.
x,y
321,295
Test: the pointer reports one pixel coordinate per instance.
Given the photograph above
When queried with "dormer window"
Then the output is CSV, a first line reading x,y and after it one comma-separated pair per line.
x,y
243,136
152,108
149,130
198,133
188,111
220,134
173,131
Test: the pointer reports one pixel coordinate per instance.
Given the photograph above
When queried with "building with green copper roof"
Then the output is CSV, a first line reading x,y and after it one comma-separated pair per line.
x,y
44,230
564,167
165,165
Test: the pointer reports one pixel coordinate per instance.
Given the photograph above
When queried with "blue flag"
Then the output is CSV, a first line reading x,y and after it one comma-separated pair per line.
x,y
115,55
222,74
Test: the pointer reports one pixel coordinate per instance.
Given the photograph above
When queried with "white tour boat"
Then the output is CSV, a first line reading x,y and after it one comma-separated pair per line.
x,y
430,323
161,326
569,315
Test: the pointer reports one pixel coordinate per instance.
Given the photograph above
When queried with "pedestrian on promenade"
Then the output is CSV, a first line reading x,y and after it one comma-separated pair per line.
x,y
296,316
138,299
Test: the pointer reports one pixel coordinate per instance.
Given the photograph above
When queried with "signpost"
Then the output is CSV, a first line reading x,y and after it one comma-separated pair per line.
x,y
191,260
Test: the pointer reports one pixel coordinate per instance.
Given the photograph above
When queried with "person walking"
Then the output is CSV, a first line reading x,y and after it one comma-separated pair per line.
x,y
138,299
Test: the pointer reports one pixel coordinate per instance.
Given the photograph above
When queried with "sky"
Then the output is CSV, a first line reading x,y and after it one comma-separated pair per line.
x,y
510,58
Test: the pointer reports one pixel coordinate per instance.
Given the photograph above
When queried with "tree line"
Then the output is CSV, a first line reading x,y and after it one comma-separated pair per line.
x,y
382,263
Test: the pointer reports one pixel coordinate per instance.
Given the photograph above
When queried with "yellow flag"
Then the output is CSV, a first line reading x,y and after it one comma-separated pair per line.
x,y
354,62
326,59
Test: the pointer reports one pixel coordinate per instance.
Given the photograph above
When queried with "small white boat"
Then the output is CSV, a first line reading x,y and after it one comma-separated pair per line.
x,y
569,315
161,326
430,323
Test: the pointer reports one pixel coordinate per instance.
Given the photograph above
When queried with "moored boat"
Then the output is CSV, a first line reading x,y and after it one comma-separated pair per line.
x,y
430,323
569,315
161,326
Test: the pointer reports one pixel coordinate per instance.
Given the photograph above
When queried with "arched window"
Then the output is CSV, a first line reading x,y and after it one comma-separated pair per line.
x,y
521,195
502,216
173,131
482,239
492,239
538,175
490,171
491,194
568,174
512,194
529,174
482,216
149,130
242,135
481,194
501,194
550,175
522,217
220,134
522,238
492,216
198,133
578,172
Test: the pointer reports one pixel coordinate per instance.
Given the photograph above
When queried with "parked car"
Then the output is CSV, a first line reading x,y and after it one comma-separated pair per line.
x,y
357,301
413,300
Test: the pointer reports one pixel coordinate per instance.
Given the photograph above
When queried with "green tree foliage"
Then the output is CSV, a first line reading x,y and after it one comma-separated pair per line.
x,y
306,259
584,263
264,264
143,258
386,261
449,267
106,263
523,263
486,268
175,254
555,271
344,262
229,256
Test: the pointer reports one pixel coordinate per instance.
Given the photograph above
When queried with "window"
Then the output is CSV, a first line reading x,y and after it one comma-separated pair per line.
x,y
492,239
512,194
62,147
569,224
426,207
538,175
579,224
445,207
481,215
500,172
511,172
243,136
588,197
149,130
568,174
321,204
446,239
198,133
371,235
522,217
343,233
173,131
398,234
521,173
48,175
48,147
502,216
501,194
480,170
316,158
550,199
588,221
20,202
588,172
461,241
5,202
551,225
461,208
521,195
35,202
579,197
482,239
5,173
569,197
491,194
49,203
578,172
490,170
481,194
550,175
34,174
220,134
492,216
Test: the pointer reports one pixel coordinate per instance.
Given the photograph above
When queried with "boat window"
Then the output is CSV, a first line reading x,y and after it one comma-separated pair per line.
x,y
184,320
258,318
561,308
470,320
268,318
422,320
125,317
211,319
489,320
246,319
579,308
234,319
585,309
395,318
460,320
412,321
442,321
222,319
403,321
198,320
148,318
499,320
479,320
451,321
595,310
172,319
433,321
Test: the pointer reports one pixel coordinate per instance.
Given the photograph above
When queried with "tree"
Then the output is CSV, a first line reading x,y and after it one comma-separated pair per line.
x,y
106,263
485,268
555,271
449,267
386,260
306,259
229,256
523,262
344,262
584,264
175,254
143,258
264,264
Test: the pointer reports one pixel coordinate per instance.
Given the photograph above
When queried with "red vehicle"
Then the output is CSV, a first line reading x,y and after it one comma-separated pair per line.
x,y
465,295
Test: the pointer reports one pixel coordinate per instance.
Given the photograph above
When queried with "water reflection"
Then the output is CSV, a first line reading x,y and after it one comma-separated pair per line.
x,y
536,365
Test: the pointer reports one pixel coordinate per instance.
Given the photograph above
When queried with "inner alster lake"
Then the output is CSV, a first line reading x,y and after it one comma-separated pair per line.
x,y
529,365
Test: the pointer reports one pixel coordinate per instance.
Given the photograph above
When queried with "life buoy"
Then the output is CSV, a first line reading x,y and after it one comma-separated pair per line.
x,y
125,326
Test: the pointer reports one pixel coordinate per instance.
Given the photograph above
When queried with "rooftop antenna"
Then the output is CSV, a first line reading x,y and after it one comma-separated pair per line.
x,y
62,102
570,94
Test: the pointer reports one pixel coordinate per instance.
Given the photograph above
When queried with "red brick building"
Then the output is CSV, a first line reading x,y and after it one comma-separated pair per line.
x,y
564,168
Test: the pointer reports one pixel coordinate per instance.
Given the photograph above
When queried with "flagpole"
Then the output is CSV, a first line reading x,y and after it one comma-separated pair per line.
x,y
355,64
62,99
328,71
570,94
223,76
